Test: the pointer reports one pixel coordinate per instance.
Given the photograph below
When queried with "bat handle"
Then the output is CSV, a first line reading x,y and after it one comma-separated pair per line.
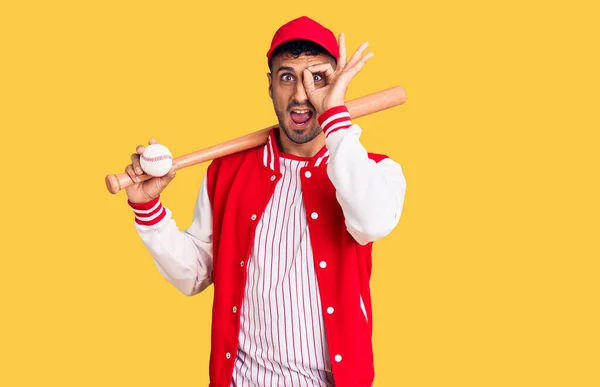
x,y
115,183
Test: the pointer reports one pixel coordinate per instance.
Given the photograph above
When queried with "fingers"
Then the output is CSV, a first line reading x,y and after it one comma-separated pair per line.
x,y
308,81
342,52
356,57
358,66
324,68
140,148
135,169
131,173
135,161
166,179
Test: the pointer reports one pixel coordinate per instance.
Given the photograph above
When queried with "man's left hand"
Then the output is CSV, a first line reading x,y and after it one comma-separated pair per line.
x,y
336,82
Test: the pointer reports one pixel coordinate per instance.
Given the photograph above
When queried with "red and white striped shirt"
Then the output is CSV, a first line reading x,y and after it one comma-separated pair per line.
x,y
282,337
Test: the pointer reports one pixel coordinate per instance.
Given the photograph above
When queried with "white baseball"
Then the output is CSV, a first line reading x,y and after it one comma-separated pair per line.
x,y
156,160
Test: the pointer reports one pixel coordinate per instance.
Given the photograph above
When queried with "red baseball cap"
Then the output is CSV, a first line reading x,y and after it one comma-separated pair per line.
x,y
304,28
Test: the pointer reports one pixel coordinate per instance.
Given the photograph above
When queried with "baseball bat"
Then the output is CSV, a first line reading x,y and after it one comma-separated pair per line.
x,y
358,107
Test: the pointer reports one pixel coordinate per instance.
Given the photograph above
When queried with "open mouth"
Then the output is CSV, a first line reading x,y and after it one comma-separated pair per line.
x,y
301,117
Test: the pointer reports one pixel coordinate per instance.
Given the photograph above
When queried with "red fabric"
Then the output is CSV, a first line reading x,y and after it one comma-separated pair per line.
x,y
331,112
304,28
154,221
329,127
377,157
144,206
146,215
240,186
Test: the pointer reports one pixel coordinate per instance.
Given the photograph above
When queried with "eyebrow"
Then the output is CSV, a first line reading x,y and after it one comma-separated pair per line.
x,y
285,68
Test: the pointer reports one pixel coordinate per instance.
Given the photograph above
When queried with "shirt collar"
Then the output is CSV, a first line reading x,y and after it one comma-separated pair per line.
x,y
270,153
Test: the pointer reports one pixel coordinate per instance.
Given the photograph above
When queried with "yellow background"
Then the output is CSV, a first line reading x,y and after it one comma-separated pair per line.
x,y
491,278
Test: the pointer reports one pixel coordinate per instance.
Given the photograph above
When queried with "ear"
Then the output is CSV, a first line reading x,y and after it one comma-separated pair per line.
x,y
270,85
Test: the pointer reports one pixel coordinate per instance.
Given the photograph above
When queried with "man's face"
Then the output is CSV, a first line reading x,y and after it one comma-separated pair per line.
x,y
297,117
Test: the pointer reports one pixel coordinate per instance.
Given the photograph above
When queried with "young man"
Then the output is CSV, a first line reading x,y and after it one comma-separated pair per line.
x,y
284,231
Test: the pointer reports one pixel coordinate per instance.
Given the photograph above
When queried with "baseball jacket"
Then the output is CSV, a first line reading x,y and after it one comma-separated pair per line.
x,y
352,198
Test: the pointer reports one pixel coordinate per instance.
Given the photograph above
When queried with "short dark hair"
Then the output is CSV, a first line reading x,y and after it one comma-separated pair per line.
x,y
295,48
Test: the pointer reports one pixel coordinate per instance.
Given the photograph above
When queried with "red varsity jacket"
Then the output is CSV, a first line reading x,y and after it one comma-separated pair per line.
x,y
351,199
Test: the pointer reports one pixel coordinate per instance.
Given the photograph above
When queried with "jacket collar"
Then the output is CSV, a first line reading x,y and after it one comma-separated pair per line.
x,y
270,153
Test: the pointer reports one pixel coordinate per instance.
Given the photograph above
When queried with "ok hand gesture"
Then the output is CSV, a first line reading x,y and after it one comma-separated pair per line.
x,y
336,82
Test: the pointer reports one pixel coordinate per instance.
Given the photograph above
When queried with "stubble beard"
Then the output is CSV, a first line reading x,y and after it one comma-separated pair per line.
x,y
297,136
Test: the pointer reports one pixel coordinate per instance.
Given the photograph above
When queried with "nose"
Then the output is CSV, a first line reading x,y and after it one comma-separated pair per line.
x,y
300,94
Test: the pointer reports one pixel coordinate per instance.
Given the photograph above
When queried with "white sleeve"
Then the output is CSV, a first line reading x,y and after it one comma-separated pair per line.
x,y
184,258
370,193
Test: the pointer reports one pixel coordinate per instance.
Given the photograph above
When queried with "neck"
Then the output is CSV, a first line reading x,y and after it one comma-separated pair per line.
x,y
308,149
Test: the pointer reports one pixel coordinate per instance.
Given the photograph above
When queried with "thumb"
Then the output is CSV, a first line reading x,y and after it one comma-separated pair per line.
x,y
166,179
308,81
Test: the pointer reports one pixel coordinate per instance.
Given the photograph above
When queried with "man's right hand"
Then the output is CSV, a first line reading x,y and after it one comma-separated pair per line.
x,y
145,191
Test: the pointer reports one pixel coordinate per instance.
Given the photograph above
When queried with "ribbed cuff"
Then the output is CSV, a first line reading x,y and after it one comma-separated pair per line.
x,y
149,213
334,119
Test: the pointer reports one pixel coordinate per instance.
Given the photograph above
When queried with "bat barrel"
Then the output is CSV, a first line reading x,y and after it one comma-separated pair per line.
x,y
377,102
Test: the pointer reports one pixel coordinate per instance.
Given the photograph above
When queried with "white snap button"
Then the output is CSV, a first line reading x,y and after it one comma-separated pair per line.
x,y
323,264
273,178
314,215
234,309
253,217
242,264
228,355
307,174
338,358
330,310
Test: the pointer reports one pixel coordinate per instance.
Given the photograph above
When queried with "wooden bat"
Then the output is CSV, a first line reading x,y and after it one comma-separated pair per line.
x,y
358,107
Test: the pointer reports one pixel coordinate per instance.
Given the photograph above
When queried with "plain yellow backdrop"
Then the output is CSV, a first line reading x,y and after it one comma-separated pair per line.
x,y
490,279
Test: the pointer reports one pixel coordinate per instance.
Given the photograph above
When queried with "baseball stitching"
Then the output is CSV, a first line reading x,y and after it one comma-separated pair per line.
x,y
156,158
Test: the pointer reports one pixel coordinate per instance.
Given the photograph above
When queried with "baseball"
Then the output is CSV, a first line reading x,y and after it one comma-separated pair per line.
x,y
156,160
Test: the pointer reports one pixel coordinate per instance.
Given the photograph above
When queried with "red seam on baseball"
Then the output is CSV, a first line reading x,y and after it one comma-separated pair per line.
x,y
156,158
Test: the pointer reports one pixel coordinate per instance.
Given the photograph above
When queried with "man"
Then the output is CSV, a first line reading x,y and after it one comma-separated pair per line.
x,y
284,231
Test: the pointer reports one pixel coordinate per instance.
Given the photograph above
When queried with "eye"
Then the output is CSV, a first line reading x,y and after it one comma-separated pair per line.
x,y
317,77
287,77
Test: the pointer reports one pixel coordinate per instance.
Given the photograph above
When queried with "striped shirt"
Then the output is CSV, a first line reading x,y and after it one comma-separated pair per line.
x,y
282,338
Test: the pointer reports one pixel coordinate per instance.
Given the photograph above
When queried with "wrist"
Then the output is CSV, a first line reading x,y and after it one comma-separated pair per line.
x,y
148,213
330,105
139,201
334,119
